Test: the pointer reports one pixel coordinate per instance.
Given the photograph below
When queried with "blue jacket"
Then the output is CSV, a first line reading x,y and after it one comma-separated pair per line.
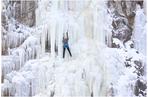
x,y
65,41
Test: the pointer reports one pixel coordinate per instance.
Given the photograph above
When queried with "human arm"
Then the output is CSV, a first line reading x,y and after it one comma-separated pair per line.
x,y
67,35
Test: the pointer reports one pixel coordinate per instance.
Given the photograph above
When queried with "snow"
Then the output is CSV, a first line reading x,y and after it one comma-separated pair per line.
x,y
118,42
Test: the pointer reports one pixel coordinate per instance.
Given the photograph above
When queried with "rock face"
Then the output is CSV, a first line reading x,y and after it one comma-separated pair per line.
x,y
123,13
22,11
128,25
25,12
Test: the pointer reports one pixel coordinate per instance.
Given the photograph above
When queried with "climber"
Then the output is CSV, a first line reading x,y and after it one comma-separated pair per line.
x,y
65,44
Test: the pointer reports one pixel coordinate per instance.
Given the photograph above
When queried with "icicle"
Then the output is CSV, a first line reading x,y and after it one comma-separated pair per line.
x,y
52,36
95,20
32,87
109,31
43,39
88,24
14,9
49,38
60,36
20,59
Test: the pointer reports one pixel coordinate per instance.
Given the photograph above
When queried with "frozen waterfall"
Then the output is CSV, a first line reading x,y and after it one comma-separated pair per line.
x,y
83,19
32,63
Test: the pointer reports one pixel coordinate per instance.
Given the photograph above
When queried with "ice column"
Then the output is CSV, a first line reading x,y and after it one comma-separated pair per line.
x,y
52,34
60,35
43,37
95,19
101,21
139,30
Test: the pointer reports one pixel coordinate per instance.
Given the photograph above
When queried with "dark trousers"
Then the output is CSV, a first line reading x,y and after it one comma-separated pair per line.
x,y
64,51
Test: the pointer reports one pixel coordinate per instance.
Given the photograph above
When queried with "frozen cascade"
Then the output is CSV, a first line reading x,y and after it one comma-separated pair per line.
x,y
28,77
26,51
73,20
140,27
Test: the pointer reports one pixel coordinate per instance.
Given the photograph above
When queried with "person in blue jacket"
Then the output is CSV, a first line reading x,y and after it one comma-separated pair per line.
x,y
65,44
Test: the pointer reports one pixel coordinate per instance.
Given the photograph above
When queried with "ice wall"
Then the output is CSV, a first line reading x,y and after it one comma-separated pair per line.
x,y
139,32
83,19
